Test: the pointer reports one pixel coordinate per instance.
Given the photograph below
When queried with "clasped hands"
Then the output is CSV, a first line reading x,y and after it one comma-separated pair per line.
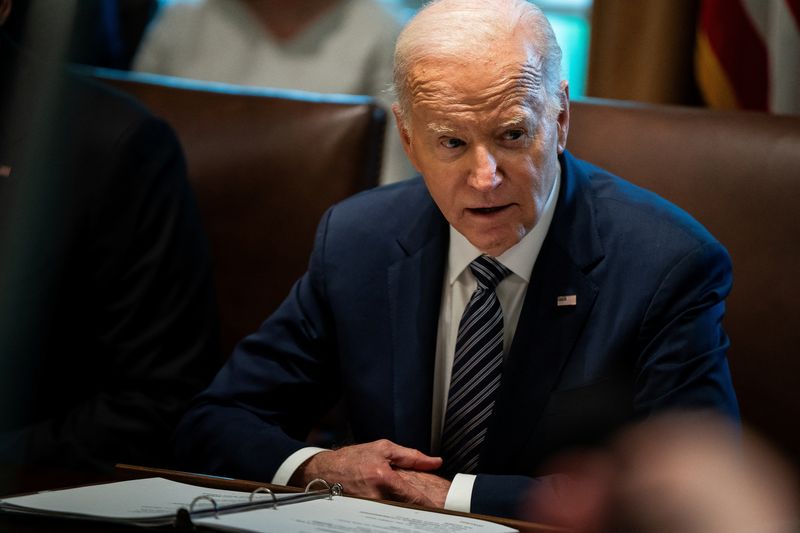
x,y
379,470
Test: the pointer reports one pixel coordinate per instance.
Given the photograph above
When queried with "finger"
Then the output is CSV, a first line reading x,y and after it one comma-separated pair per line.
x,y
401,489
412,459
432,486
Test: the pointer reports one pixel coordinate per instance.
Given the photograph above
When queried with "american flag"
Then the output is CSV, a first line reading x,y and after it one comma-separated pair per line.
x,y
748,54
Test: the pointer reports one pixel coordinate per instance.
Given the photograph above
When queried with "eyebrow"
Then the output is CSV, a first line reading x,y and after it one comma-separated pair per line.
x,y
440,129
517,119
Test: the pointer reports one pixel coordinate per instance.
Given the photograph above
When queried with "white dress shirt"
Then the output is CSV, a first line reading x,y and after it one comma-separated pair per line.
x,y
456,291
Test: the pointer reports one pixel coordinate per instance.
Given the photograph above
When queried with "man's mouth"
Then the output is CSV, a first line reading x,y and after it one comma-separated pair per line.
x,y
488,210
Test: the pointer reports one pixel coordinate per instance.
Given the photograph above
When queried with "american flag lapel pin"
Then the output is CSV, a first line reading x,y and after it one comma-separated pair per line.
x,y
568,300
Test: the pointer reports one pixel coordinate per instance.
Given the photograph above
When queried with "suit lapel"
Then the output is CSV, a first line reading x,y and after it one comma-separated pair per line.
x,y
546,332
415,290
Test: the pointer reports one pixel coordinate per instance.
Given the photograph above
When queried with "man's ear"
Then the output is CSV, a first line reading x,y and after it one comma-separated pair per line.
x,y
563,117
5,10
405,135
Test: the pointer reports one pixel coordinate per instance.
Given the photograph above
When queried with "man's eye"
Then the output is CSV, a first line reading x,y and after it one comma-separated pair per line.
x,y
451,142
513,135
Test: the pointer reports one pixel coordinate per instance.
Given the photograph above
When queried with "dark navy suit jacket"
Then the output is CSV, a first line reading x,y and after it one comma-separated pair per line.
x,y
643,337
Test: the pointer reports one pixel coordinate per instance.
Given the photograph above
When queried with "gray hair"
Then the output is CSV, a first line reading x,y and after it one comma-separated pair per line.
x,y
466,28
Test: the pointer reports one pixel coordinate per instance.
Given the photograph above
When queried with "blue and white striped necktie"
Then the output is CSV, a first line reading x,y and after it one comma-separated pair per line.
x,y
477,369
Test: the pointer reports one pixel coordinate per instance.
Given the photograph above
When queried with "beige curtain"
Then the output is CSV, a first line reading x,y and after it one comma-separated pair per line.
x,y
643,50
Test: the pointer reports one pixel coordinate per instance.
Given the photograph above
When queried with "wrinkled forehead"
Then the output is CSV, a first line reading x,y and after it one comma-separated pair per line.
x,y
504,78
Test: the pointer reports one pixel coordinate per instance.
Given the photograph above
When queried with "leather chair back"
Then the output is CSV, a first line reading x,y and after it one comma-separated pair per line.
x,y
264,165
739,175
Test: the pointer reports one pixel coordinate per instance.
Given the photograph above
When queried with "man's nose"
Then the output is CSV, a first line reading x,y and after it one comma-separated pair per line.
x,y
483,174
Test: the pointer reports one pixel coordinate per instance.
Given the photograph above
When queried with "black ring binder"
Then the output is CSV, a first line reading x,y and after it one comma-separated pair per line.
x,y
149,503
183,517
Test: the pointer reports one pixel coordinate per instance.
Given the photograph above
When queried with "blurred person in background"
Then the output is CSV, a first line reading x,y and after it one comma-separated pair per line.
x,y
107,315
327,46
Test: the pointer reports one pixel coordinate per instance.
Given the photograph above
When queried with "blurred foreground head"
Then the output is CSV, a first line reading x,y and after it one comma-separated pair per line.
x,y
675,474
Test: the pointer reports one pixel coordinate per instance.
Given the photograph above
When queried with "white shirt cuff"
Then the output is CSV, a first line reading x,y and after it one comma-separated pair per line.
x,y
459,497
292,463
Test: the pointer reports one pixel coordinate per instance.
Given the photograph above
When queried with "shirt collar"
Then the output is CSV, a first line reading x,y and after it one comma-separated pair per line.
x,y
520,258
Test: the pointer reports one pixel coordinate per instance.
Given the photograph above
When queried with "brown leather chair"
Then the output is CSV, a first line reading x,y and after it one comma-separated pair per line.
x,y
739,175
264,164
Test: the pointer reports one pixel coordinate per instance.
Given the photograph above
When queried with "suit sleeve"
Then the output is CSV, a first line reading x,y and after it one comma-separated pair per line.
x,y
681,363
278,382
145,320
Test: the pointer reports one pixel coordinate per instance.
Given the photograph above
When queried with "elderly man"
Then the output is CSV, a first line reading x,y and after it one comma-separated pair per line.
x,y
512,303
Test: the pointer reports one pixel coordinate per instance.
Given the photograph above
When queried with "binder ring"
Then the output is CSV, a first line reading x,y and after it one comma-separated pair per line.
x,y
265,490
335,490
204,497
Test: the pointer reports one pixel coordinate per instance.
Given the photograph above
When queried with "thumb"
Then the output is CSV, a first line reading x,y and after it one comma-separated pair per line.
x,y
412,459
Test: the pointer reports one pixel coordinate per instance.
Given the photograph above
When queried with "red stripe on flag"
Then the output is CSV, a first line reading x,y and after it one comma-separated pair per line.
x,y
794,7
741,51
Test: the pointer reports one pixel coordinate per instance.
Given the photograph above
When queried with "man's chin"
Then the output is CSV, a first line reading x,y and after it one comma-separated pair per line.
x,y
494,245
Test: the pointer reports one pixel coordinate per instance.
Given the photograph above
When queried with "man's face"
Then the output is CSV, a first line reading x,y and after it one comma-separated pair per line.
x,y
486,150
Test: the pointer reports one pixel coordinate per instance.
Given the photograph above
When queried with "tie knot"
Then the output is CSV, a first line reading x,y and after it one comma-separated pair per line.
x,y
488,271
